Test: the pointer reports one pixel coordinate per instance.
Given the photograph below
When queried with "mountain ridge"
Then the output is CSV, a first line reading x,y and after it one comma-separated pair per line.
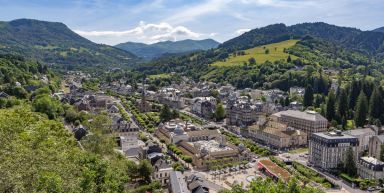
x,y
55,43
380,29
151,51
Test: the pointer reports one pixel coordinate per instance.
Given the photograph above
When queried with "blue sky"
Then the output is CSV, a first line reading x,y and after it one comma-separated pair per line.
x,y
115,21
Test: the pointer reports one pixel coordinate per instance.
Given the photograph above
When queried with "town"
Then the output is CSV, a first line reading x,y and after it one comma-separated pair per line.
x,y
205,137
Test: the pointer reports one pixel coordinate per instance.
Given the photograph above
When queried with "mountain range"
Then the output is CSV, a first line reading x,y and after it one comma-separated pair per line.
x,y
54,43
151,51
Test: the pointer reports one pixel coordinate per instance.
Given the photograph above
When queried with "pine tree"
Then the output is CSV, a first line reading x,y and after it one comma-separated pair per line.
x,y
289,59
308,96
353,94
350,165
361,110
342,107
330,110
376,104
287,101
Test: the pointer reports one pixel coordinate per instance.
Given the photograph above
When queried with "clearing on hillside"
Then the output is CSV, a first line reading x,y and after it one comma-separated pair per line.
x,y
276,52
159,76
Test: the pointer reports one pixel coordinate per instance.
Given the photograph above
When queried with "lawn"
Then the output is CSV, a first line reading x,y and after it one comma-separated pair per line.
x,y
299,150
276,52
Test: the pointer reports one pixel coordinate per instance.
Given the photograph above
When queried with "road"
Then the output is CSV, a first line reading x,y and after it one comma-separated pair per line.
x,y
302,158
151,136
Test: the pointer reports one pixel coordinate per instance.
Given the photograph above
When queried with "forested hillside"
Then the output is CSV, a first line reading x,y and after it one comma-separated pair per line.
x,y
319,46
54,43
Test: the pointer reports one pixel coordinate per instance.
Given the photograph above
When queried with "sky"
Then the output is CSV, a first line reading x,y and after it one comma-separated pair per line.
x,y
149,21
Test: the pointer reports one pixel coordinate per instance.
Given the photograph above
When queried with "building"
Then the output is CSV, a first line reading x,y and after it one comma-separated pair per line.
x,y
162,171
196,184
274,171
175,130
207,154
328,149
171,97
296,105
363,135
143,104
307,121
100,101
207,148
204,106
370,168
177,183
242,112
375,145
3,95
278,135
297,91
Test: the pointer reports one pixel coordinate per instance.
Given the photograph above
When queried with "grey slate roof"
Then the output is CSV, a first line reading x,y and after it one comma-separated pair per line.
x,y
381,138
307,115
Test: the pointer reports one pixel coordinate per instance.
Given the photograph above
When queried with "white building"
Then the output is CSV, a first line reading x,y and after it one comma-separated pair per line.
x,y
370,168
328,149
363,135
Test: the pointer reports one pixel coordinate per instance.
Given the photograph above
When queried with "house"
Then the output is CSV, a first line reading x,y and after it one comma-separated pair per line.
x,y
196,184
3,95
83,105
113,109
204,106
79,132
162,172
296,91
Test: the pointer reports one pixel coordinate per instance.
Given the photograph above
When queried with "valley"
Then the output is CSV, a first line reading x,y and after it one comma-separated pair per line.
x,y
191,97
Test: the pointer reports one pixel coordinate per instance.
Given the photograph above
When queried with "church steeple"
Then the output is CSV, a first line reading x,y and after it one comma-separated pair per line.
x,y
143,92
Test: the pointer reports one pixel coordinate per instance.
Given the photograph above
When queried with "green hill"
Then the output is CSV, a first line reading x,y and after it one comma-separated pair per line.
x,y
54,43
276,52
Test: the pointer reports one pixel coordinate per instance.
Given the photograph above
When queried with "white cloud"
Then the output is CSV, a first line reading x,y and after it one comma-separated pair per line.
x,y
241,31
144,32
213,34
